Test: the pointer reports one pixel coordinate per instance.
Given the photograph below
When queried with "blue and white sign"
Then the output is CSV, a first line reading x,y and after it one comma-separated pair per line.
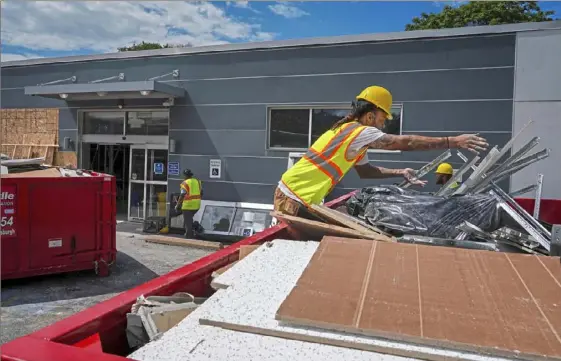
x,y
158,168
173,168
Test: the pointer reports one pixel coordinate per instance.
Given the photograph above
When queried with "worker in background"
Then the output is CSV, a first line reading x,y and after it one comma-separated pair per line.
x,y
345,146
443,174
189,201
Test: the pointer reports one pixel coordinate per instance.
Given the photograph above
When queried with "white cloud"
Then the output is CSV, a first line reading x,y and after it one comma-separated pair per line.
x,y
238,3
288,11
15,57
103,26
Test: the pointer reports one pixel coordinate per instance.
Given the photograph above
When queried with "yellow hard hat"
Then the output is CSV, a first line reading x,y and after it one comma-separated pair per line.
x,y
444,168
380,97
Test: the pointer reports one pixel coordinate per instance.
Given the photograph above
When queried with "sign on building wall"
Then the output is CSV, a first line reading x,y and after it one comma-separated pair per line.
x,y
158,168
215,168
173,168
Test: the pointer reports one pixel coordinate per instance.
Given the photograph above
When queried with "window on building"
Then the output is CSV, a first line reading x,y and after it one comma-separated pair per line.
x,y
298,128
126,123
289,128
147,123
104,122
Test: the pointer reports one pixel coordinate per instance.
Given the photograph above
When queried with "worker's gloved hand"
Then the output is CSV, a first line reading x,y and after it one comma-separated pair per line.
x,y
409,176
471,142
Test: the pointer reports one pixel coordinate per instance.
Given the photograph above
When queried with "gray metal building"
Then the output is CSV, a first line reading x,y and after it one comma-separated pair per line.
x,y
256,107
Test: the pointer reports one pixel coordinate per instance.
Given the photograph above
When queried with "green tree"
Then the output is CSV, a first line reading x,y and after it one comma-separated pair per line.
x,y
477,13
152,46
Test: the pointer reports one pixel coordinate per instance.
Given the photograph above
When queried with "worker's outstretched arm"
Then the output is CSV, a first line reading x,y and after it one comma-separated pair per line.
x,y
471,142
367,171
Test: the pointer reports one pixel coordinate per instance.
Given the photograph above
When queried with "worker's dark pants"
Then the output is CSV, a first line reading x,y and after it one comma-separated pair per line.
x,y
188,223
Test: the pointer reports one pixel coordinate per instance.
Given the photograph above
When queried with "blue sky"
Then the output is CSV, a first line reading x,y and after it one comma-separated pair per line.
x,y
94,27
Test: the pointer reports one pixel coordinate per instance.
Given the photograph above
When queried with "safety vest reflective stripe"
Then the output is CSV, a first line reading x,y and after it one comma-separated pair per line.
x,y
324,164
191,197
322,161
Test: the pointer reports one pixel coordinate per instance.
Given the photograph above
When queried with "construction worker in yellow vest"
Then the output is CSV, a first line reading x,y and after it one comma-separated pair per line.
x,y
189,201
345,146
443,174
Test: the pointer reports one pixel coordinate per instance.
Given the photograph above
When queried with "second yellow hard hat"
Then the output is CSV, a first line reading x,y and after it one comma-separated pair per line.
x,y
379,96
444,168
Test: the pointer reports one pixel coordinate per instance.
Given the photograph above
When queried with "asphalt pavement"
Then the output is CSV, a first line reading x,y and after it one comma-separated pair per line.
x,y
33,303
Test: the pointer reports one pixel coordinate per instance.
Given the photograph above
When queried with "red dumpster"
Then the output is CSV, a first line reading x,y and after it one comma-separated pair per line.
x,y
98,333
58,224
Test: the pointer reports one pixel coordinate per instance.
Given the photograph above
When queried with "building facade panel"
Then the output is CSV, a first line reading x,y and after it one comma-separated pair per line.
x,y
538,97
440,84
265,170
408,55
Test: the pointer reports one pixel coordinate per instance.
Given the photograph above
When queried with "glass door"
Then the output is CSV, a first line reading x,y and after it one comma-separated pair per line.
x,y
148,181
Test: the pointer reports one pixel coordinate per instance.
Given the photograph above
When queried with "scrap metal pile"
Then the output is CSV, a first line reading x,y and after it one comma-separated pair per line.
x,y
477,214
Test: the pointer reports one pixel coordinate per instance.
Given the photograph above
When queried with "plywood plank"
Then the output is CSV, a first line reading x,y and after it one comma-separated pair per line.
x,y
464,299
350,222
317,230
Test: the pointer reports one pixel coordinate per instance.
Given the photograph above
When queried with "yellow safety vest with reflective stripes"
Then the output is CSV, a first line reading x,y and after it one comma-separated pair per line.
x,y
324,164
192,199
454,185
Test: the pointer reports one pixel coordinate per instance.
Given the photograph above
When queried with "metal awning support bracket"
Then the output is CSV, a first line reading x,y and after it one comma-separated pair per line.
x,y
120,77
72,79
174,74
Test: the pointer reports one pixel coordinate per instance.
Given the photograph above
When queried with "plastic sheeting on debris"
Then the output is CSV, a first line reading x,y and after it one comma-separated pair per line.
x,y
424,214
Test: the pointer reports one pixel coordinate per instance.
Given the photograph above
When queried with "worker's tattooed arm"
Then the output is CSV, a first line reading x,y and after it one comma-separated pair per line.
x,y
367,171
470,142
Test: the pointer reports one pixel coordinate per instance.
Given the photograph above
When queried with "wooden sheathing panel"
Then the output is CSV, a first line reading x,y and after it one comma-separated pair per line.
x,y
469,300
25,130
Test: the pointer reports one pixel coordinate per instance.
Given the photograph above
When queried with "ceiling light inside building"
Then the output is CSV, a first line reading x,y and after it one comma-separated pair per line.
x,y
102,94
145,92
63,95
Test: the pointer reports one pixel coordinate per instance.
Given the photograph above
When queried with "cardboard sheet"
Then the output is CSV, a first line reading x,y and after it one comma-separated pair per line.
x,y
462,299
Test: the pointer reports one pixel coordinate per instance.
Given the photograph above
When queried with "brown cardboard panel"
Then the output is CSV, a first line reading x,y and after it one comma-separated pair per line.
x,y
544,289
392,294
332,282
464,299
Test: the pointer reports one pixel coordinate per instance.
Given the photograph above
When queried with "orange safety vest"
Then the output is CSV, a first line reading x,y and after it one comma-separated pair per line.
x,y
324,164
192,199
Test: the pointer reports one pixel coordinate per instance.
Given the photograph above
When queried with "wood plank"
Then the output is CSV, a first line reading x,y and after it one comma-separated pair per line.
x,y
174,241
318,230
467,300
348,221
246,250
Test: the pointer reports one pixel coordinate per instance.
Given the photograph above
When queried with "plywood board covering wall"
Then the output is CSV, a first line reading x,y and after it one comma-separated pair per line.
x,y
32,133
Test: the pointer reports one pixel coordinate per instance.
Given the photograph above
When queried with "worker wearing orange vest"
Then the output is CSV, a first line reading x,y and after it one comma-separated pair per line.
x,y
189,201
443,174
345,146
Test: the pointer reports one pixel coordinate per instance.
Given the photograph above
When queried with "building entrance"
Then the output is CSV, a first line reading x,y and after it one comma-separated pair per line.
x,y
148,181
112,159
132,146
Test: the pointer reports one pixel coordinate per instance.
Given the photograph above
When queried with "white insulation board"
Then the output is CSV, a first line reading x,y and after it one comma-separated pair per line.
x,y
190,341
253,298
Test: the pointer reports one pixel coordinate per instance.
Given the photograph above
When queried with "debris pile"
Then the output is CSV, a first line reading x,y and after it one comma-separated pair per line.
x,y
478,214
